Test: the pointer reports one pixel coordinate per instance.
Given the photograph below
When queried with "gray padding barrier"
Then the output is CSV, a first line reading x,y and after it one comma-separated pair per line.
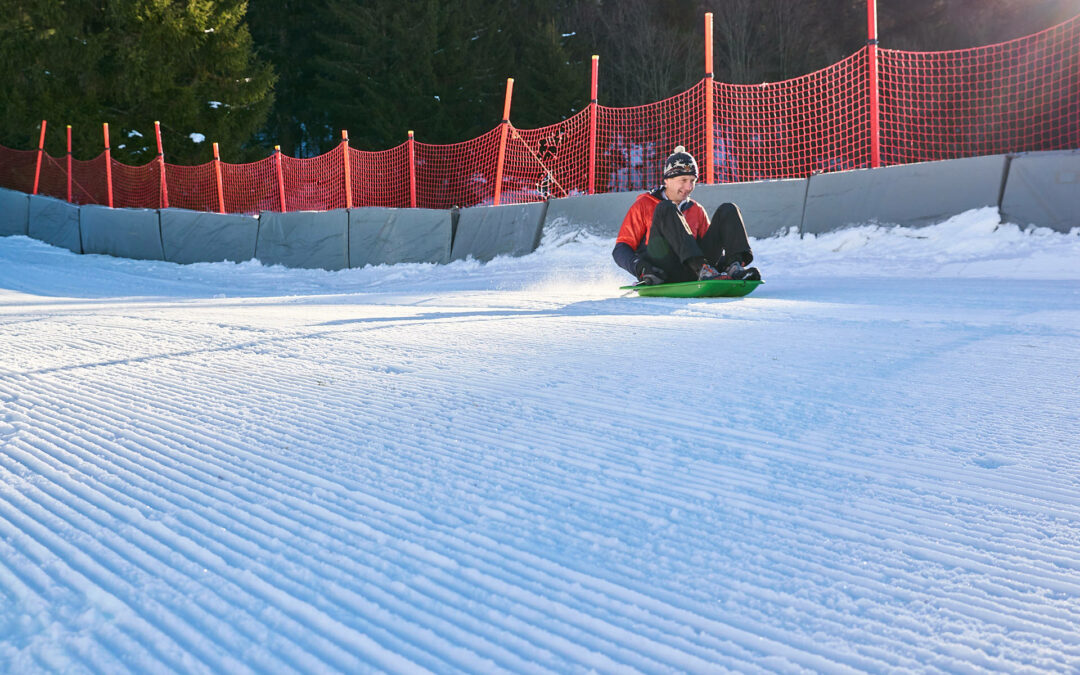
x,y
14,212
1043,189
124,233
913,195
309,239
55,222
768,208
385,236
196,236
597,214
484,232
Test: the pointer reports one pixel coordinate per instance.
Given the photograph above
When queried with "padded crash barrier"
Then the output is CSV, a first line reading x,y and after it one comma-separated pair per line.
x,y
55,222
197,236
596,214
309,239
385,236
768,208
14,212
484,232
913,195
1033,189
1043,189
124,233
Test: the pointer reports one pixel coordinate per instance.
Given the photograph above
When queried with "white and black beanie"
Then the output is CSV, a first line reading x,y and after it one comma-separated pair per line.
x,y
680,163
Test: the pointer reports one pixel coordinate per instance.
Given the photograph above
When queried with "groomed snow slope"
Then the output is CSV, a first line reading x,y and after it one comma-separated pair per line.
x,y
870,464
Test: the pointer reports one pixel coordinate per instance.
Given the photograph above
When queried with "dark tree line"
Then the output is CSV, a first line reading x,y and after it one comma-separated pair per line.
x,y
253,74
130,62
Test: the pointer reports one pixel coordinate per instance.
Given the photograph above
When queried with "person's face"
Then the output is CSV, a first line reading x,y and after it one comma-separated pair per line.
x,y
679,187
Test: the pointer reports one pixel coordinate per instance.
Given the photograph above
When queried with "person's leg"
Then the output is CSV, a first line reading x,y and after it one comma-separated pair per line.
x,y
671,244
726,242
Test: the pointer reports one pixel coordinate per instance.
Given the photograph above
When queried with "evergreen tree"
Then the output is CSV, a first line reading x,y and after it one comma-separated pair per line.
x,y
129,63
648,50
387,66
286,33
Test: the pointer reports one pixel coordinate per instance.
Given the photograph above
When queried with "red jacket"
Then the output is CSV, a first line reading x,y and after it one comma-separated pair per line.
x,y
637,224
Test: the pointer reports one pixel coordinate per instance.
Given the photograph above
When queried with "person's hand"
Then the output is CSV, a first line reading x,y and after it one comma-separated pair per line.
x,y
649,274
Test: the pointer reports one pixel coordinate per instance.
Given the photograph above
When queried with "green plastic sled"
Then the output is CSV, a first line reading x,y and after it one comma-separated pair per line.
x,y
716,288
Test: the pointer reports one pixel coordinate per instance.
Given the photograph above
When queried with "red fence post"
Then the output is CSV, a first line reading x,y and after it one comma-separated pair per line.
x,y
40,152
164,191
412,170
592,124
502,139
108,162
709,121
872,67
280,178
347,162
69,163
217,175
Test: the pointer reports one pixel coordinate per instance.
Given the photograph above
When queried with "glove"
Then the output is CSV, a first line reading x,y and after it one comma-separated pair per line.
x,y
647,273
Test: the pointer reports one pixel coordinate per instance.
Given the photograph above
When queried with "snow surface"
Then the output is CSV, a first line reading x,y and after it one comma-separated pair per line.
x,y
870,464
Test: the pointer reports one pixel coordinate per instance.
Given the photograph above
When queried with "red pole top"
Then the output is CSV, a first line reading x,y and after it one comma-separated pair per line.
x,y
216,155
871,20
412,170
108,164
506,101
163,180
708,45
69,163
280,178
592,84
345,135
40,152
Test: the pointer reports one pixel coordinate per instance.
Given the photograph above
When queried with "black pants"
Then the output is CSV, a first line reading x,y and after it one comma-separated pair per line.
x,y
671,244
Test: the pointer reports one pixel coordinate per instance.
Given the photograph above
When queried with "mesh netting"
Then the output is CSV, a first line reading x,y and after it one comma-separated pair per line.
x,y
246,188
17,169
137,186
53,179
547,162
315,184
461,174
1016,96
89,184
632,143
1021,95
380,178
192,187
790,129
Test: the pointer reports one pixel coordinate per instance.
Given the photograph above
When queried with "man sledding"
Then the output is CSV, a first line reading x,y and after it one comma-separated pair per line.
x,y
666,237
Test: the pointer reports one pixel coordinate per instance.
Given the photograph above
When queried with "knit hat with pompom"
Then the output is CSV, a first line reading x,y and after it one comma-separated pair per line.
x,y
680,163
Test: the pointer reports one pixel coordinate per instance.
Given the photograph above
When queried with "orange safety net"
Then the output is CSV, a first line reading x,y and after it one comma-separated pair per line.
x,y
1016,96
192,187
315,184
814,123
52,180
548,162
248,188
632,143
89,182
461,174
17,169
137,186
380,178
